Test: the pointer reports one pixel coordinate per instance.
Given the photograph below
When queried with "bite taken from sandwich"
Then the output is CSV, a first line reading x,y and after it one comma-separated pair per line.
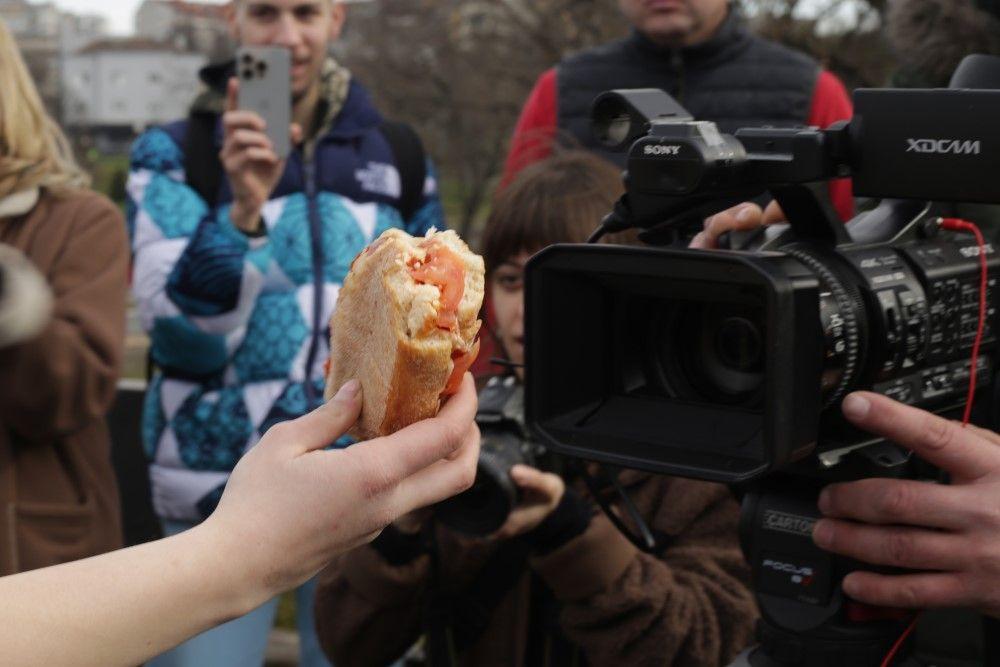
x,y
406,326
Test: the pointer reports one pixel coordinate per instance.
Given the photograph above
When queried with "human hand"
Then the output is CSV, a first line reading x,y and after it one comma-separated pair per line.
x,y
744,217
290,505
248,157
950,533
542,492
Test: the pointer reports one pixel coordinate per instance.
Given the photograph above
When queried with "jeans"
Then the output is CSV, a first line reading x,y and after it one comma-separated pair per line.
x,y
242,642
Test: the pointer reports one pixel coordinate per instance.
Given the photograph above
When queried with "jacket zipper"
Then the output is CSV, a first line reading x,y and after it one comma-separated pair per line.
x,y
677,65
318,261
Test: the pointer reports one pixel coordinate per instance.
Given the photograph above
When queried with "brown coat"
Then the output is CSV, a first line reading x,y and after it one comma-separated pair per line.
x,y
691,606
58,496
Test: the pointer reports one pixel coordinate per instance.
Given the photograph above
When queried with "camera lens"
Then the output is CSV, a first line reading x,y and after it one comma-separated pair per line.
x,y
484,508
709,352
738,345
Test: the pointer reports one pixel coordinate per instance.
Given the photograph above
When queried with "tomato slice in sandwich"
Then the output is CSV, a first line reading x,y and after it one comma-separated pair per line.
x,y
445,270
463,361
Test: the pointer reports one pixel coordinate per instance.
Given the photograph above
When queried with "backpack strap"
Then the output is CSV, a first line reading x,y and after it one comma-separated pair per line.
x,y
202,166
411,162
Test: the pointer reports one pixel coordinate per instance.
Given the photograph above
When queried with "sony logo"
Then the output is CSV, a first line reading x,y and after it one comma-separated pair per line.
x,y
944,146
658,149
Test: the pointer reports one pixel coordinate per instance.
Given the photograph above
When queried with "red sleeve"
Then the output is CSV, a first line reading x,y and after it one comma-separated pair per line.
x,y
832,103
532,140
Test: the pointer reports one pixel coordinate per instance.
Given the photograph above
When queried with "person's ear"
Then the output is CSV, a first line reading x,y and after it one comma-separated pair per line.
x,y
338,14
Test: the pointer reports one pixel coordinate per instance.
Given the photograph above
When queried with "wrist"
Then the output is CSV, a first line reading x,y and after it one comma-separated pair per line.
x,y
246,217
234,586
568,520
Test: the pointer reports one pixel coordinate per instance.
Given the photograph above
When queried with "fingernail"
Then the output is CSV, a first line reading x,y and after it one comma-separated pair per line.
x,y
824,501
744,213
708,222
823,534
348,391
856,407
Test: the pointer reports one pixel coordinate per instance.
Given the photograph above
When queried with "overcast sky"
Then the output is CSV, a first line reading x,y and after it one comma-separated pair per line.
x,y
119,12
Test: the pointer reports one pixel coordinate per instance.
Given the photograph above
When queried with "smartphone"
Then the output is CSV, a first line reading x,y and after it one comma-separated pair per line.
x,y
265,88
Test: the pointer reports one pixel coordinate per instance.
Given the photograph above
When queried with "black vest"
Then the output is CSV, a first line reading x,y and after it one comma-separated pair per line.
x,y
735,79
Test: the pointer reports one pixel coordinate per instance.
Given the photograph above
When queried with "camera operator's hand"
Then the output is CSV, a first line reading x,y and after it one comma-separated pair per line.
x,y
745,217
252,166
542,493
950,532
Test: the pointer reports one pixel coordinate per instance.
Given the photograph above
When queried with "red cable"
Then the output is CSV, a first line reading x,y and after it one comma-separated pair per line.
x,y
956,225
899,642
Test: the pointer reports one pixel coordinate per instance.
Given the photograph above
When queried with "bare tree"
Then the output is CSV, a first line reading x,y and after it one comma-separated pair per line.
x,y
460,71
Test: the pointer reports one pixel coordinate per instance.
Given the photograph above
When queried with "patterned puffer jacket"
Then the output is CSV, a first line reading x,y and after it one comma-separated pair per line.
x,y
239,324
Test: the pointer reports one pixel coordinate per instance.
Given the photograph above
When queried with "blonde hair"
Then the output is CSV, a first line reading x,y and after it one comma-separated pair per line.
x,y
34,152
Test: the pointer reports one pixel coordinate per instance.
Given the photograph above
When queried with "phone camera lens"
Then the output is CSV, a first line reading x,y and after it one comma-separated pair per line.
x,y
247,59
261,67
248,74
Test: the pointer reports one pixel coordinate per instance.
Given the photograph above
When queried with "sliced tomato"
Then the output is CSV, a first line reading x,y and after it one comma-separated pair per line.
x,y
463,361
443,269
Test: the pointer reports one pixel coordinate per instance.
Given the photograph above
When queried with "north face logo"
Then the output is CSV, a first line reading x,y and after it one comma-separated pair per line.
x,y
379,178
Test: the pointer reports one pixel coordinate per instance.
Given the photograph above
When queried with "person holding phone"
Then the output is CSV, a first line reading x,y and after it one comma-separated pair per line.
x,y
239,253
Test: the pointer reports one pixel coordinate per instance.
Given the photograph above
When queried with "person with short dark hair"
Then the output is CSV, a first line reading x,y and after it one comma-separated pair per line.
x,y
557,584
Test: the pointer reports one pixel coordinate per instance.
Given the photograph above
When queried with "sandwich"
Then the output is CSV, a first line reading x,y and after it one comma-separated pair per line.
x,y
406,326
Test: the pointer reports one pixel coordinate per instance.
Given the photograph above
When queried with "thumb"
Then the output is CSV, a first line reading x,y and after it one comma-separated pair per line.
x,y
321,427
532,479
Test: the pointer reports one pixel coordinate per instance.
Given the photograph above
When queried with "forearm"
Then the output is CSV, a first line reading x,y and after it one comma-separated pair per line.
x,y
124,607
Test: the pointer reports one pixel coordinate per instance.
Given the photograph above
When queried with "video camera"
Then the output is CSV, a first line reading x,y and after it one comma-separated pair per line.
x,y
728,365
731,366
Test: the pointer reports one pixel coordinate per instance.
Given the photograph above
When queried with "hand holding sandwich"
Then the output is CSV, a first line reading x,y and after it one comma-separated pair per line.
x,y
290,506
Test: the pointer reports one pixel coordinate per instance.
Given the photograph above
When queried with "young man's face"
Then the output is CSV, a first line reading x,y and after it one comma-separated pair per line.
x,y
675,22
304,27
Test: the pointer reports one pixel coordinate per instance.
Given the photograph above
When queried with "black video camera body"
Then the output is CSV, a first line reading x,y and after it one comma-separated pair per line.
x,y
729,365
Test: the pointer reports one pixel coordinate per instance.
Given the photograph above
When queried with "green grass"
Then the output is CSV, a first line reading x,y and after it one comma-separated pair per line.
x,y
109,173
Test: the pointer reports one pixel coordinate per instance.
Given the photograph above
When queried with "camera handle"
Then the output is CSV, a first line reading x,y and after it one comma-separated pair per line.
x,y
805,617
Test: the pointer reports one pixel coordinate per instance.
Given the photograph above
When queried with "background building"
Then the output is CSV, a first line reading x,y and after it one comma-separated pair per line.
x,y
45,34
115,88
188,26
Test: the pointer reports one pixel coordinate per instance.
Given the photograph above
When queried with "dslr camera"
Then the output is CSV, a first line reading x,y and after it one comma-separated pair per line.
x,y
506,442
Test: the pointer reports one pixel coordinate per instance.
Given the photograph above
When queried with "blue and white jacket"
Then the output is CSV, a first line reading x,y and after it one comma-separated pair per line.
x,y
239,324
